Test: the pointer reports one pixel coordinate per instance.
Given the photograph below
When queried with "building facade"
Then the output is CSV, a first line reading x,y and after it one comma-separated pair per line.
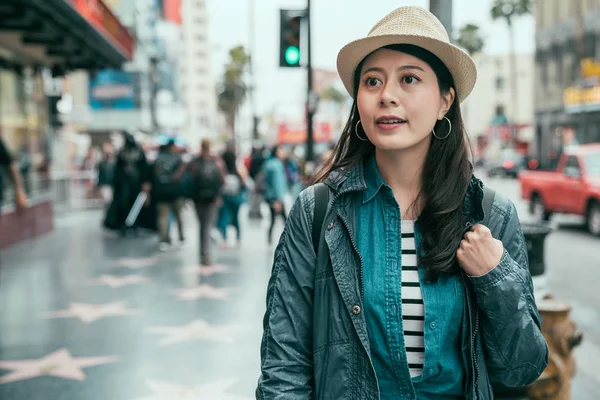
x,y
40,42
567,75
492,95
197,86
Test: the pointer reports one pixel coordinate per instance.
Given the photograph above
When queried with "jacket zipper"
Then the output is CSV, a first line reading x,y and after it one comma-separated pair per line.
x,y
355,247
474,354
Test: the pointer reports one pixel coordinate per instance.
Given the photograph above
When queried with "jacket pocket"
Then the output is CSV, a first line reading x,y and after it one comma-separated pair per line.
x,y
330,318
331,371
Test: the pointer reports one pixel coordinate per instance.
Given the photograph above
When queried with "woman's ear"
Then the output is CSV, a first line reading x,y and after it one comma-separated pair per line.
x,y
447,101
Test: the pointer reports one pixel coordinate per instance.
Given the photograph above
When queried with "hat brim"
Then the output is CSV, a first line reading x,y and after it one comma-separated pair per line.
x,y
458,62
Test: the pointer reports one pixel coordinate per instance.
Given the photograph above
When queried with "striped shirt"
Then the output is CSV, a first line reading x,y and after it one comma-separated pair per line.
x,y
413,313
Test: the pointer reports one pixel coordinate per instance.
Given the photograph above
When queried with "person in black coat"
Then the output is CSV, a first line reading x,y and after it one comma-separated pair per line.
x,y
131,176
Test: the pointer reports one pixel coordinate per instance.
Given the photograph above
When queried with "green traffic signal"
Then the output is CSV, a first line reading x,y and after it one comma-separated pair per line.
x,y
292,55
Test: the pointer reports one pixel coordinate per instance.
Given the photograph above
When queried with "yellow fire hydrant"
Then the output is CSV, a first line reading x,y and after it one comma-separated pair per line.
x,y
562,336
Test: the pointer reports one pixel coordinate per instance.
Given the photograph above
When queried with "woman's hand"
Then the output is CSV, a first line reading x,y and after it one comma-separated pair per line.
x,y
479,252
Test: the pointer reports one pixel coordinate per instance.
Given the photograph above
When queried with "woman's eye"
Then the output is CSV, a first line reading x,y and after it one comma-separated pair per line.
x,y
372,82
409,79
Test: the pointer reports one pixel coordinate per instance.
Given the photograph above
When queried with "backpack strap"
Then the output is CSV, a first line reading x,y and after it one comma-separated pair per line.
x,y
488,201
321,205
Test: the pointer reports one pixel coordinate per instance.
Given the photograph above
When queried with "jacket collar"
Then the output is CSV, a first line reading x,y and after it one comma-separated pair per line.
x,y
352,179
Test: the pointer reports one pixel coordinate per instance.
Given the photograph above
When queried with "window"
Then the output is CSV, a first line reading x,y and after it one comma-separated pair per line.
x,y
589,44
572,166
559,59
500,83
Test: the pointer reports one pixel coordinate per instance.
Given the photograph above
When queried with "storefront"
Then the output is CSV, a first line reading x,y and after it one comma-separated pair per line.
x,y
580,111
40,41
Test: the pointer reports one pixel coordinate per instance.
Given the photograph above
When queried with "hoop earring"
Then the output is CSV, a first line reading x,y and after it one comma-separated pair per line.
x,y
356,131
449,130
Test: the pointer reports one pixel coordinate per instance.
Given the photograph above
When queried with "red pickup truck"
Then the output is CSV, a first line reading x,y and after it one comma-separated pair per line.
x,y
574,188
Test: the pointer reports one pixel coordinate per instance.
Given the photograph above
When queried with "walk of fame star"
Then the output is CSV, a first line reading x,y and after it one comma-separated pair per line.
x,y
208,391
201,270
115,281
89,313
196,330
202,292
137,263
60,364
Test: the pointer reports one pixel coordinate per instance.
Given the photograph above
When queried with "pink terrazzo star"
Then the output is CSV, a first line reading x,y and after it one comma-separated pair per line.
x,y
204,270
59,364
89,313
208,391
137,263
119,281
202,292
196,330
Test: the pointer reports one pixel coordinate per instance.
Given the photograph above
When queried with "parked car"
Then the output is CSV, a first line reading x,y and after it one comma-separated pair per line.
x,y
509,164
573,188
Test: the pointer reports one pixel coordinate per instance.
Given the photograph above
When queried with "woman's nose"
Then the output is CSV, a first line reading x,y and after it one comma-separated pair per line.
x,y
389,97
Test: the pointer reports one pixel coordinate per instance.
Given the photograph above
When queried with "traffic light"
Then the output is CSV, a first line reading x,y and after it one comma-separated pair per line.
x,y
289,38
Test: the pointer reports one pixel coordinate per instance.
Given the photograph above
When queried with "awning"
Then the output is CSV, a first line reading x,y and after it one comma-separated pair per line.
x,y
68,34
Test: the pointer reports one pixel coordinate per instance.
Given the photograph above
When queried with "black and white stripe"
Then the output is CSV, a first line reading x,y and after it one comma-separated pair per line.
x,y
413,313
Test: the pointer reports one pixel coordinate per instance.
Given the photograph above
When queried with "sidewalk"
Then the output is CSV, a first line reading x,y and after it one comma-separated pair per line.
x,y
113,318
108,318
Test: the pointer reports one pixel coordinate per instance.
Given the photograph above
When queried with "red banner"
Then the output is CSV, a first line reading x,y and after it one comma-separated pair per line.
x,y
296,134
104,21
173,11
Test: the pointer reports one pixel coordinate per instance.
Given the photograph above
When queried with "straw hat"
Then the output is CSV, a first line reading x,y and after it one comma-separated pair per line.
x,y
410,25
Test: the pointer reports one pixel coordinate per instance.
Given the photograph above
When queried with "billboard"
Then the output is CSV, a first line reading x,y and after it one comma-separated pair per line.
x,y
100,16
172,11
114,89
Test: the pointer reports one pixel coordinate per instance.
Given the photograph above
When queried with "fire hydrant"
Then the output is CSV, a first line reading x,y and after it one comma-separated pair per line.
x,y
562,336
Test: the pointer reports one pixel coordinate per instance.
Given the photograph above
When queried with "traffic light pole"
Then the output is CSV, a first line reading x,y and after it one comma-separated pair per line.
x,y
310,106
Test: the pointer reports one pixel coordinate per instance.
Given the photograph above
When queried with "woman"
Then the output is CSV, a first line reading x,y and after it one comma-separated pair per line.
x,y
276,186
410,297
233,192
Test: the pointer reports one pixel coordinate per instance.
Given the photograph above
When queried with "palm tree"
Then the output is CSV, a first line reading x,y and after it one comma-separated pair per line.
x,y
233,90
333,95
469,38
509,10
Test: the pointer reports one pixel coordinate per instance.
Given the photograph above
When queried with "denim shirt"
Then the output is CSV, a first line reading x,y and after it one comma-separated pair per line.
x,y
378,240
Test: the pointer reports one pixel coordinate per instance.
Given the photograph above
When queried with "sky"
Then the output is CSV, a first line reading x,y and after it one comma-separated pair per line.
x,y
334,23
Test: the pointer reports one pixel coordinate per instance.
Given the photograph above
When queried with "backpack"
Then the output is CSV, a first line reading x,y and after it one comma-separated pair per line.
x,y
260,183
166,183
322,204
207,180
232,185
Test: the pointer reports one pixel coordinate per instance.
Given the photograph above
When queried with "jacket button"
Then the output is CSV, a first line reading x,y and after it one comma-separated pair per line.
x,y
356,310
432,325
330,226
432,372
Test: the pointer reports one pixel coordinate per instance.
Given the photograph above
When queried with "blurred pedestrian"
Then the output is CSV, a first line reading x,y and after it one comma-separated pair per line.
x,y
397,290
207,175
131,177
233,195
106,171
276,186
8,165
257,159
168,192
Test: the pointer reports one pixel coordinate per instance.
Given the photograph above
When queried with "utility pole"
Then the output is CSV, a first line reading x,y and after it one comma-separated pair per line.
x,y
251,70
310,97
442,9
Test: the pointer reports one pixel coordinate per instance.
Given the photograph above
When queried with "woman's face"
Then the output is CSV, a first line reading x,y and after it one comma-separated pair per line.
x,y
399,100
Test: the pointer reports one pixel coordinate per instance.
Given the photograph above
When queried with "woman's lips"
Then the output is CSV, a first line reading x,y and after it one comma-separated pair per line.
x,y
390,126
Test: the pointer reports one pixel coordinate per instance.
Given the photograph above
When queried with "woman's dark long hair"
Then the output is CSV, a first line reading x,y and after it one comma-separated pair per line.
x,y
445,177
